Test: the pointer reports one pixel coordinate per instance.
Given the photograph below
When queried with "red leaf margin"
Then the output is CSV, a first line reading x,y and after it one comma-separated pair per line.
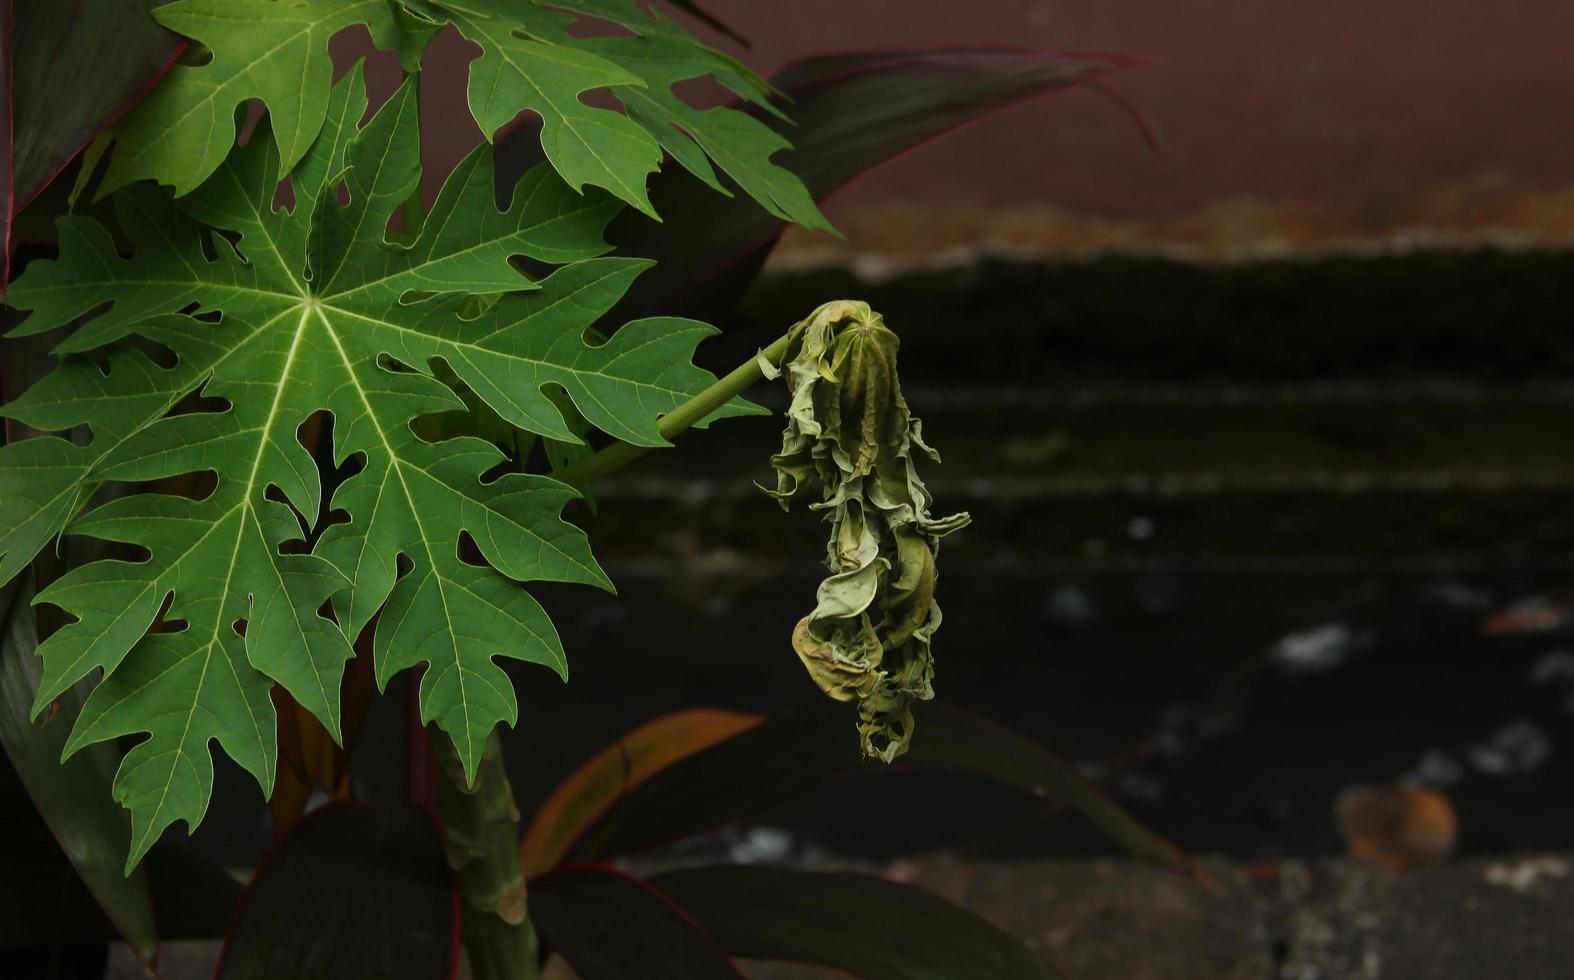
x,y
10,206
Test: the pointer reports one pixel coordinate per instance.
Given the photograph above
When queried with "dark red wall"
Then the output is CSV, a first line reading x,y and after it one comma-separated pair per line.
x,y
1308,121
1257,97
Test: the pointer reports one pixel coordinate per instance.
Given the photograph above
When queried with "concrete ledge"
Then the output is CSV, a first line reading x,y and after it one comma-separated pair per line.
x,y
1335,919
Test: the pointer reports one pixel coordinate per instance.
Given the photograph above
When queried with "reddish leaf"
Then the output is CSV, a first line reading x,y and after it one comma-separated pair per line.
x,y
308,757
791,755
596,786
709,20
68,69
354,893
860,924
849,113
609,926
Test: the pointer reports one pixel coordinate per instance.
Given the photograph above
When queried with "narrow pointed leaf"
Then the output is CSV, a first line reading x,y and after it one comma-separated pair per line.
x,y
309,758
192,898
46,48
859,924
710,20
609,926
792,754
595,787
849,113
73,799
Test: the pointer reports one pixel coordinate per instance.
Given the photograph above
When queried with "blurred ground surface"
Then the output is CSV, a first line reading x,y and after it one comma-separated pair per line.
x,y
1333,920
1330,920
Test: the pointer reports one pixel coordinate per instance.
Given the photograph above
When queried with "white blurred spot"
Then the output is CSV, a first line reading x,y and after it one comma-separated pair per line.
x,y
1516,748
1521,876
1321,649
761,845
1436,768
1553,667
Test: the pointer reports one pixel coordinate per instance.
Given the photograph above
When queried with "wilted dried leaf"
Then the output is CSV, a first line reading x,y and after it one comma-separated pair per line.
x,y
868,638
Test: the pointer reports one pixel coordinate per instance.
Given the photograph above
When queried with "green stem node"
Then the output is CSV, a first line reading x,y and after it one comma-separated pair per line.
x,y
481,836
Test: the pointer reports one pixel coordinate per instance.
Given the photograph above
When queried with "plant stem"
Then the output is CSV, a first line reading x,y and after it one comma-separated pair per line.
x,y
480,822
620,454
481,836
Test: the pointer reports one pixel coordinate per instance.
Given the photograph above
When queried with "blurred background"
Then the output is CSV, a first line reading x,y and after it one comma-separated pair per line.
x,y
1265,432
1253,367
1283,127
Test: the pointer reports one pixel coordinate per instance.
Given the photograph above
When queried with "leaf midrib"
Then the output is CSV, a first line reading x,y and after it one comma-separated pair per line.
x,y
229,574
415,512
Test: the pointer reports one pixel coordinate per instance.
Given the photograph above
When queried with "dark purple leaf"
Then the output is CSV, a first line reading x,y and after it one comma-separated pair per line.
x,y
790,755
72,798
609,926
70,68
709,20
849,113
352,893
860,924
192,897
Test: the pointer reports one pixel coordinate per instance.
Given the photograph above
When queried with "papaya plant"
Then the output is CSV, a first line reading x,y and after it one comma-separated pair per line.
x,y
668,780
296,431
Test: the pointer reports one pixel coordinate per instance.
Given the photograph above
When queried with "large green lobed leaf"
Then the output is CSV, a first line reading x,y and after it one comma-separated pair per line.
x,y
277,51
288,314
